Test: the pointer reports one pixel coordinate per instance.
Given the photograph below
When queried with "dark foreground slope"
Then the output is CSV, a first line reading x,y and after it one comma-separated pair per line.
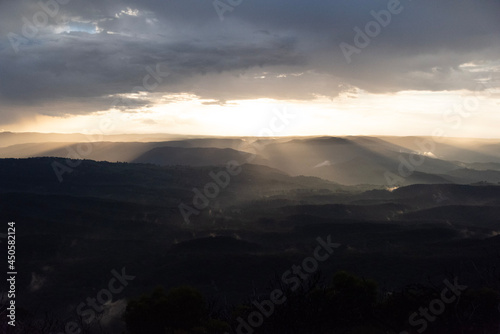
x,y
74,236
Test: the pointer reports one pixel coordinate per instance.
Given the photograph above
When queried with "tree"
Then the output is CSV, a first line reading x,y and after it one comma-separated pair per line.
x,y
182,308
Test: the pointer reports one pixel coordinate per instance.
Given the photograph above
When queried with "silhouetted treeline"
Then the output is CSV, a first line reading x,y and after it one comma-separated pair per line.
x,y
344,304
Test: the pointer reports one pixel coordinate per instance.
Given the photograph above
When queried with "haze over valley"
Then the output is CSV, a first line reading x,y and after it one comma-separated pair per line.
x,y
250,167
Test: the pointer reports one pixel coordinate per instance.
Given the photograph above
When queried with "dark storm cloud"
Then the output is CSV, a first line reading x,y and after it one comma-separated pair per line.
x,y
90,51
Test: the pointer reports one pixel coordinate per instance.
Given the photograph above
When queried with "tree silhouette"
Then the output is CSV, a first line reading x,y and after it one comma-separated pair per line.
x,y
180,311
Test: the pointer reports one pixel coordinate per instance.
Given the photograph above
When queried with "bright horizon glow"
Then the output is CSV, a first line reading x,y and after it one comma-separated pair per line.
x,y
177,69
353,113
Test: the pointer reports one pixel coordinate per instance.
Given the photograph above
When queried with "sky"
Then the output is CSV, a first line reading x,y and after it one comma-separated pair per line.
x,y
251,67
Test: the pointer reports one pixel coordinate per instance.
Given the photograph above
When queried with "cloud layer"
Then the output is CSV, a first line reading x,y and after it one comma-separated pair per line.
x,y
77,57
